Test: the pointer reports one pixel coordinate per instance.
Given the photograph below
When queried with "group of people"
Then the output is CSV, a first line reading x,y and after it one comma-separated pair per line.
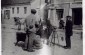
x,y
35,30
68,30
44,29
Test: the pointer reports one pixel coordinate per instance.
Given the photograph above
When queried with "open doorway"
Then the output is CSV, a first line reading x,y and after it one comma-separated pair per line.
x,y
77,16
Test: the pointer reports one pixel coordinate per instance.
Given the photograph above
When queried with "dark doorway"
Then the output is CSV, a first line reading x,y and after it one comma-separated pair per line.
x,y
77,16
7,14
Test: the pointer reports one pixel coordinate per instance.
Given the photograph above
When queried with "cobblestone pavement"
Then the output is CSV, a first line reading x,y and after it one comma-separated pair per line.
x,y
9,38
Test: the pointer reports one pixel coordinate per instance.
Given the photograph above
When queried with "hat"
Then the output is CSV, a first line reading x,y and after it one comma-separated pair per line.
x,y
68,16
33,11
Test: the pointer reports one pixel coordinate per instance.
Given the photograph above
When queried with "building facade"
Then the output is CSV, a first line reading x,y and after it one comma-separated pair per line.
x,y
12,9
59,9
19,10
54,10
22,8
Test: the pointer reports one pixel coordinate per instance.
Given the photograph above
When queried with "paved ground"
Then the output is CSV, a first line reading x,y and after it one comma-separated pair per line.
x,y
9,38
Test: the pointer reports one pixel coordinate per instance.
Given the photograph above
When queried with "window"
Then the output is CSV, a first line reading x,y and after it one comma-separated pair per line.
x,y
59,13
7,14
25,10
17,10
13,10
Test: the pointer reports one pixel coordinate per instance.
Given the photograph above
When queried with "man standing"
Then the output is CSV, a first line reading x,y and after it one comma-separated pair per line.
x,y
30,30
68,32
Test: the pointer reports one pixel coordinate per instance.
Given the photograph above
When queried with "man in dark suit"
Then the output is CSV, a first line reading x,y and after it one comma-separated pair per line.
x,y
68,32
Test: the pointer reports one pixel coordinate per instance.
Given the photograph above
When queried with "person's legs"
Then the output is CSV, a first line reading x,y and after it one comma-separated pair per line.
x,y
68,41
48,41
26,42
31,39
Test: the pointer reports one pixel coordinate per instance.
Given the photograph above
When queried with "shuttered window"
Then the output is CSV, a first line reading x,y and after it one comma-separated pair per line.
x,y
17,10
12,10
25,10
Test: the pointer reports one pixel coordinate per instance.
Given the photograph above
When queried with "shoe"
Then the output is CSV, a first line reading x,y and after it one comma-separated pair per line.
x,y
66,47
25,49
30,50
37,47
69,47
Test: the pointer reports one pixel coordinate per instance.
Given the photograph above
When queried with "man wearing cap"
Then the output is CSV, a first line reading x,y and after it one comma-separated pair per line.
x,y
68,32
30,30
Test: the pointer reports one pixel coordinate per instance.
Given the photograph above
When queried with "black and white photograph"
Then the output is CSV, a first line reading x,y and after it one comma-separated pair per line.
x,y
41,27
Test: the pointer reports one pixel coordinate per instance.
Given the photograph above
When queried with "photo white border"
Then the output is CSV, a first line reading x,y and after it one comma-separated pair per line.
x,y
83,6
0,30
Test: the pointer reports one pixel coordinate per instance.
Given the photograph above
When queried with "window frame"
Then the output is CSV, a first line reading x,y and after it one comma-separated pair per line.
x,y
13,10
25,10
17,10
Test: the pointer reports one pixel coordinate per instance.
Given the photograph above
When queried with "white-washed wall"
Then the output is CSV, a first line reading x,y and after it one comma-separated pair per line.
x,y
21,11
37,4
67,5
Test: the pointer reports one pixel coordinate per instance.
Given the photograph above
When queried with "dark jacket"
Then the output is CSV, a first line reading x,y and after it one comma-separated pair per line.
x,y
69,27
